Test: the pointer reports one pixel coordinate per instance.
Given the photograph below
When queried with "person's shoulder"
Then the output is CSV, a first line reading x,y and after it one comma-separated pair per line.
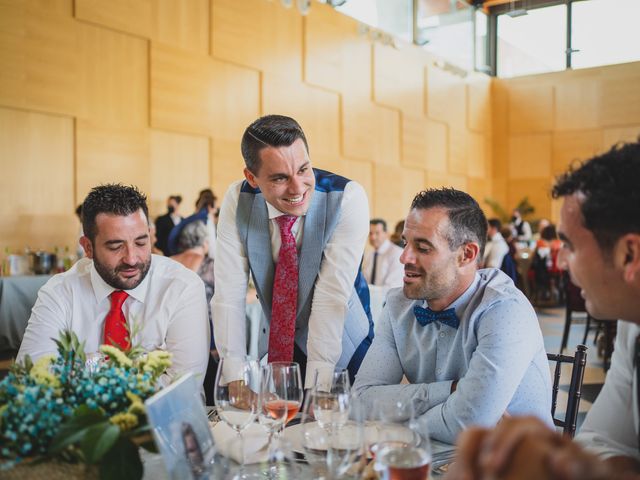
x,y
496,287
173,272
397,303
331,182
61,282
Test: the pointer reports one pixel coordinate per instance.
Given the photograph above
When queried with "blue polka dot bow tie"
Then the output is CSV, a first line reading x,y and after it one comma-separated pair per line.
x,y
425,316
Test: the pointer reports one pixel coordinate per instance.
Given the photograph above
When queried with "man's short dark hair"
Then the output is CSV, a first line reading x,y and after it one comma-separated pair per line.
x,y
269,131
611,186
379,221
495,223
468,223
176,198
113,199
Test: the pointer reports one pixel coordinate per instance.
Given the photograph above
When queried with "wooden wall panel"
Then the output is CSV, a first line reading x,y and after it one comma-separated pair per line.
x,y
458,150
569,147
361,172
530,156
33,192
111,154
479,104
182,24
259,34
130,16
398,78
476,156
227,165
611,136
39,65
317,111
394,189
437,146
530,109
480,189
437,180
576,104
537,190
414,141
446,97
179,165
196,94
115,78
335,55
620,101
370,132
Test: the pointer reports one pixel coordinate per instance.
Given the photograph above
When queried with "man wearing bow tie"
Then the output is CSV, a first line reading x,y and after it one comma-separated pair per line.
x,y
467,340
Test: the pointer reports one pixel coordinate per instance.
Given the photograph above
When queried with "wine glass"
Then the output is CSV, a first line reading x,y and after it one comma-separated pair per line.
x,y
285,390
236,394
331,399
402,449
331,441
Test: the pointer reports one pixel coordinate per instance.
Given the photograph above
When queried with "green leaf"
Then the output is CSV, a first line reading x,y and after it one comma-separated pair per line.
x,y
98,440
74,429
122,462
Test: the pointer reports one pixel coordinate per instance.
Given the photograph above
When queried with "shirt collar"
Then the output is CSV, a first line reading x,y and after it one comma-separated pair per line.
x,y
460,303
102,289
274,212
384,247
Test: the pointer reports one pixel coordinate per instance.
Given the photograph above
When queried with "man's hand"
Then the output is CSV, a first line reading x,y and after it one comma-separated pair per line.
x,y
523,448
241,396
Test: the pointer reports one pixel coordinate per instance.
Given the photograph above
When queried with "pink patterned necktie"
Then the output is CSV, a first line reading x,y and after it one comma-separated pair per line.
x,y
285,295
115,325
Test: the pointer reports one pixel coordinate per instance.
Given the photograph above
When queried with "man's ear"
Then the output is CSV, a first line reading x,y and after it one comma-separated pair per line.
x,y
627,253
468,254
87,246
251,178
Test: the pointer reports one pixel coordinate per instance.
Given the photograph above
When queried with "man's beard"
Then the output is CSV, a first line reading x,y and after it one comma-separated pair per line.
x,y
111,276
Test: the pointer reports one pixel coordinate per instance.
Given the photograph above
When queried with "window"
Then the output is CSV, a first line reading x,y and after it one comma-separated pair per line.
x,y
391,16
605,32
532,41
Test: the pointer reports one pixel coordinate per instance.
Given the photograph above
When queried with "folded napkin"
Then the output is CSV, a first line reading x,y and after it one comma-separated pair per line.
x,y
255,439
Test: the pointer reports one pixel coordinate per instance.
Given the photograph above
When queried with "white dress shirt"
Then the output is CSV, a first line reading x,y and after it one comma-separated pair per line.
x,y
495,250
169,308
389,270
333,287
611,426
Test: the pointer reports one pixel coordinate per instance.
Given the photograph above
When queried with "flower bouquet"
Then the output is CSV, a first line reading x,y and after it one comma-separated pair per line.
x,y
64,410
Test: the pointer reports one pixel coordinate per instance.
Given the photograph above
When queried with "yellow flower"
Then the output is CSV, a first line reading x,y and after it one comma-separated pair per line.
x,y
126,421
116,355
136,407
157,361
41,374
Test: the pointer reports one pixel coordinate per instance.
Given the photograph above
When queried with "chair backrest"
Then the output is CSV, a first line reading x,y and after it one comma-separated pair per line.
x,y
579,362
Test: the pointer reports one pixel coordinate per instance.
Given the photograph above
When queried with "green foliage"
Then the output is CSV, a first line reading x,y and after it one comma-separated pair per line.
x,y
524,206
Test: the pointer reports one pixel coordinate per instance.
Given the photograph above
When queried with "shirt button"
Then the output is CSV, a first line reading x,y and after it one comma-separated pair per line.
x,y
438,371
442,334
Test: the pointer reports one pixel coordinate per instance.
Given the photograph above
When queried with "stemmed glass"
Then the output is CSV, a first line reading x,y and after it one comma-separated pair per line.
x,y
402,448
282,390
236,394
332,442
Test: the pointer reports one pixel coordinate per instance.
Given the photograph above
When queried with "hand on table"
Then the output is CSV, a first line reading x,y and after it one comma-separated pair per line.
x,y
523,448
241,396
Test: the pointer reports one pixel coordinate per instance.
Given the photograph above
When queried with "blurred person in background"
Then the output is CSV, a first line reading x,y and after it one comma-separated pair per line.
x,y
381,266
166,222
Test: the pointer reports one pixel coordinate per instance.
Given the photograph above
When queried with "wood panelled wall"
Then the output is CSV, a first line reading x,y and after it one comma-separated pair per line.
x,y
158,92
543,123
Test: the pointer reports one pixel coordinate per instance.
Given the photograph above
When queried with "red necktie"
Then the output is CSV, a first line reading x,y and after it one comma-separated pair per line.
x,y
285,295
115,325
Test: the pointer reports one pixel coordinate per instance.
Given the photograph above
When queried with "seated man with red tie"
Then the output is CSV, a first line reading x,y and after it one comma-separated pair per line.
x,y
300,233
120,288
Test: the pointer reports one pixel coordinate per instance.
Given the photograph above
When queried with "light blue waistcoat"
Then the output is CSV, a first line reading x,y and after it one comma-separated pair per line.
x,y
252,219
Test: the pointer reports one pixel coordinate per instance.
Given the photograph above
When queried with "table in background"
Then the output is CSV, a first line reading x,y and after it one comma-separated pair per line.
x,y
17,296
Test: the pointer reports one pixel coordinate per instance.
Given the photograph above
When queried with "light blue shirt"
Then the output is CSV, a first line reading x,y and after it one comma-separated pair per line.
x,y
497,356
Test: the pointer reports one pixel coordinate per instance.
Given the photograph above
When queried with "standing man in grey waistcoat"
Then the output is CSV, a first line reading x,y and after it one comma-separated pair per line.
x,y
300,233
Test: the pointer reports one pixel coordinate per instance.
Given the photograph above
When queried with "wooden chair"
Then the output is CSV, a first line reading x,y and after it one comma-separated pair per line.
x,y
579,362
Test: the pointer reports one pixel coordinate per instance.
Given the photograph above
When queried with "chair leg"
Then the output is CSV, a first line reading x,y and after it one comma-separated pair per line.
x,y
586,329
565,333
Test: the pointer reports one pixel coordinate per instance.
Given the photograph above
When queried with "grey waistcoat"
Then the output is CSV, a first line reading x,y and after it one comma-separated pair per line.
x,y
252,219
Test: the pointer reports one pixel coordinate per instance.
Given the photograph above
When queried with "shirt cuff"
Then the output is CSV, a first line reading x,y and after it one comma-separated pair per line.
x,y
323,371
439,392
